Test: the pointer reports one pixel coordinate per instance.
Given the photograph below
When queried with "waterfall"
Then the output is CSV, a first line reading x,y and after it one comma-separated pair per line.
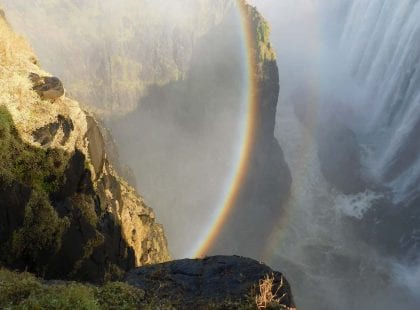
x,y
381,44
359,59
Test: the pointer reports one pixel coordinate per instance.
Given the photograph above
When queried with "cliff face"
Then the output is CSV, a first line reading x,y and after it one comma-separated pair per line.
x,y
266,187
64,212
108,54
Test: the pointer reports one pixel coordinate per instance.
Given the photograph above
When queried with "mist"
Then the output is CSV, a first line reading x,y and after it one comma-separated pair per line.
x,y
169,82
182,140
328,248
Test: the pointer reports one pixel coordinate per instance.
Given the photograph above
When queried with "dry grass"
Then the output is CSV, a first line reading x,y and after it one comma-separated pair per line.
x,y
28,110
268,296
17,60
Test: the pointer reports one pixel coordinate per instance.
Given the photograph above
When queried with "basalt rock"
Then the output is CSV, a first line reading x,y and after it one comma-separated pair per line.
x,y
339,155
339,152
220,281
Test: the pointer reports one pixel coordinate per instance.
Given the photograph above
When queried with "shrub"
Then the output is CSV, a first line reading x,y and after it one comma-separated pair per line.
x,y
62,297
41,233
25,291
16,287
118,295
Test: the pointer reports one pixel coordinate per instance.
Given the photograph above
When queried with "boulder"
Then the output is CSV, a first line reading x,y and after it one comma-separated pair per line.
x,y
221,281
47,87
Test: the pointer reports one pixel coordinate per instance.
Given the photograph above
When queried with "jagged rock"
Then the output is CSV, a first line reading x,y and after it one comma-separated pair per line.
x,y
47,87
216,280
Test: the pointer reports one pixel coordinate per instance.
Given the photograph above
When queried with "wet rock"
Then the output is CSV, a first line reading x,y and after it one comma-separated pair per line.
x,y
339,155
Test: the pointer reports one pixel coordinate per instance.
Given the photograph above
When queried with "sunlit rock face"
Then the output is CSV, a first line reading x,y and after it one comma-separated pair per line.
x,y
64,211
108,53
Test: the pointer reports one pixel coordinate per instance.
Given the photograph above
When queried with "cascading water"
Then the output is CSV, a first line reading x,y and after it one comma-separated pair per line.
x,y
359,61
382,43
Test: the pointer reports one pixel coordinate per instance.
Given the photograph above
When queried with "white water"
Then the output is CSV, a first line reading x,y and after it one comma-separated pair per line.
x,y
381,41
356,205
364,56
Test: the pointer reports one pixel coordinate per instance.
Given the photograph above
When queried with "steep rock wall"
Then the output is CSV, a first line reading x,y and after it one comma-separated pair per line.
x,y
266,187
64,211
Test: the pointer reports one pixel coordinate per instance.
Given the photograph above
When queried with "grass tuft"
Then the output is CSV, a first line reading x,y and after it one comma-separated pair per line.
x,y
268,297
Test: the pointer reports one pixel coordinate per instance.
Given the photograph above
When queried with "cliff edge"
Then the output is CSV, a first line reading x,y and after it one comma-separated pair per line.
x,y
64,211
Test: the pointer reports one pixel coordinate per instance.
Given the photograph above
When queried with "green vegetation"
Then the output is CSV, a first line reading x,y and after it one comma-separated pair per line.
x,y
25,291
37,168
40,234
42,171
118,295
262,31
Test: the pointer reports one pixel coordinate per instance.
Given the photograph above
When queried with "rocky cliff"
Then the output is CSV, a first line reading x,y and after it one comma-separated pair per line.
x,y
64,212
266,186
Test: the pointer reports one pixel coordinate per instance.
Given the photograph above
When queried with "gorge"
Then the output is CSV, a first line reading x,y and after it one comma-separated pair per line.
x,y
325,109
346,120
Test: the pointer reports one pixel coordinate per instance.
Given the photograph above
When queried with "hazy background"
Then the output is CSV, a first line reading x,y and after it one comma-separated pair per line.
x,y
169,81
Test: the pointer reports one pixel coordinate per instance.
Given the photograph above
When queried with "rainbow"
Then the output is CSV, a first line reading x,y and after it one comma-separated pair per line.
x,y
246,140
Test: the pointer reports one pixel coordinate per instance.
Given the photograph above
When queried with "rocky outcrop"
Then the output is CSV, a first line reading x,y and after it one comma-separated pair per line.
x,y
47,87
64,211
218,282
266,185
